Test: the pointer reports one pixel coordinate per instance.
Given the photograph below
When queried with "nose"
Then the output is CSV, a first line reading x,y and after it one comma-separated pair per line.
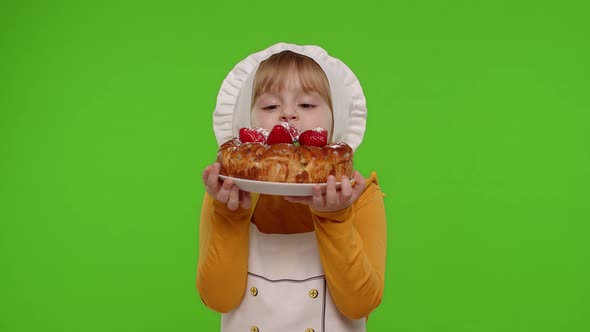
x,y
288,114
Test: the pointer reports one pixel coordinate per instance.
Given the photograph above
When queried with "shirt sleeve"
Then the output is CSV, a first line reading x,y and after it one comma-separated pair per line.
x,y
223,255
352,245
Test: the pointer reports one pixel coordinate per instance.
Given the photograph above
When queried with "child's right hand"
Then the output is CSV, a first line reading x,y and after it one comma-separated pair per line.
x,y
225,192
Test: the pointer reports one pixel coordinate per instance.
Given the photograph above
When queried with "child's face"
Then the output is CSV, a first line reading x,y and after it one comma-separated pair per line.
x,y
305,110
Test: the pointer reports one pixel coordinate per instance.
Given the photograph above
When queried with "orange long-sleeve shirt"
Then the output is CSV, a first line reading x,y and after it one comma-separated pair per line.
x,y
351,242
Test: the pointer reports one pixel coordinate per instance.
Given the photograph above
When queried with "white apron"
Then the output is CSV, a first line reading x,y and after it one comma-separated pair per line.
x,y
286,289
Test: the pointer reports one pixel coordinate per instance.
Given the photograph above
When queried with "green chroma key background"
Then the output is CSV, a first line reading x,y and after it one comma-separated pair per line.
x,y
478,129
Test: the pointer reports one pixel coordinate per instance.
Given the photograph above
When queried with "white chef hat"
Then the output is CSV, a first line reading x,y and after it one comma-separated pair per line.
x,y
232,110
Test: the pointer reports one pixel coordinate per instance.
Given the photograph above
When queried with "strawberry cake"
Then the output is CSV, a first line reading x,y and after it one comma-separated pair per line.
x,y
284,155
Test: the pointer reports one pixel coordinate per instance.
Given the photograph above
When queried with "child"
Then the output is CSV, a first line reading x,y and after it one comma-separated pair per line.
x,y
273,263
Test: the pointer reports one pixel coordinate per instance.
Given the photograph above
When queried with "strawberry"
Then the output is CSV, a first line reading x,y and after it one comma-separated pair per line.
x,y
314,137
252,135
292,129
279,134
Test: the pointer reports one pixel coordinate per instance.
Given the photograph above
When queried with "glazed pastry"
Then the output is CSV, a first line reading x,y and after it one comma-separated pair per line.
x,y
283,155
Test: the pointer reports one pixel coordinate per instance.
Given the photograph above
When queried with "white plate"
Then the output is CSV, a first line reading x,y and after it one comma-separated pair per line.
x,y
277,188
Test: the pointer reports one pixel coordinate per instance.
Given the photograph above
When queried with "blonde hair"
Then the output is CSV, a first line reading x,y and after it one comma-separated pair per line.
x,y
274,72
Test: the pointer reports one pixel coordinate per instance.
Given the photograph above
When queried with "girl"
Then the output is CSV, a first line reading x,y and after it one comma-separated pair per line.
x,y
274,263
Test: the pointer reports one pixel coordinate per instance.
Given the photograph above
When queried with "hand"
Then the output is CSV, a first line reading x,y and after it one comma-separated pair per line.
x,y
225,192
333,200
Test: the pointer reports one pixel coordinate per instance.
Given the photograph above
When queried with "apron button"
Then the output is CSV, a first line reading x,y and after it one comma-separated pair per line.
x,y
254,292
313,294
254,328
309,330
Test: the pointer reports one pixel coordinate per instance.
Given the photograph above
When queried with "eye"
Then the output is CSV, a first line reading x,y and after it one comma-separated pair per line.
x,y
306,106
270,107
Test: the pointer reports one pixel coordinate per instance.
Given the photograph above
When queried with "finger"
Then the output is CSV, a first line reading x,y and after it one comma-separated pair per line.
x,y
213,179
345,189
245,199
215,168
331,196
318,198
233,201
224,192
205,174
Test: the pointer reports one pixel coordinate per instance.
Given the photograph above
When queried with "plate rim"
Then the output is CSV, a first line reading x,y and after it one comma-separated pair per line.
x,y
290,184
277,185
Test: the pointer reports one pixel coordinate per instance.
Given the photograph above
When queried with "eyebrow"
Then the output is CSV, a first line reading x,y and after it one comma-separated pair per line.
x,y
267,95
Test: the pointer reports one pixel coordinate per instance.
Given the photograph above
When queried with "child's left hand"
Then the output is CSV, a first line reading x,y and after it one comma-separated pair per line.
x,y
333,199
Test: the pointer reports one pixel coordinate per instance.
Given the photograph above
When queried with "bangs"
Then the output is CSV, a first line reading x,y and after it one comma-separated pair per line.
x,y
285,68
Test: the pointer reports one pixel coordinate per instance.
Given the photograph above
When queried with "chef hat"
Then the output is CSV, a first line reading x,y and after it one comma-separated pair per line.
x,y
232,110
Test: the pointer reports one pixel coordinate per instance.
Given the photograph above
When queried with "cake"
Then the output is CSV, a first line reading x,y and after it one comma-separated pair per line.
x,y
284,155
